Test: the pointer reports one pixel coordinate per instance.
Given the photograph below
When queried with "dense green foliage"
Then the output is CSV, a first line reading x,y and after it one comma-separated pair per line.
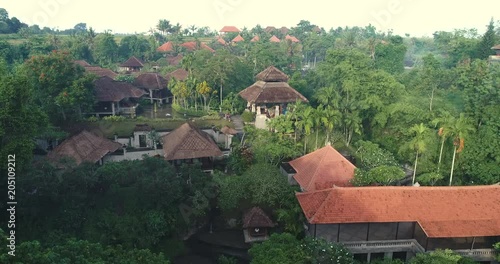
x,y
440,257
285,248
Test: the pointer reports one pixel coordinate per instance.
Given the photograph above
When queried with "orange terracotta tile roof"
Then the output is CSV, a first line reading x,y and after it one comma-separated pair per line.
x,y
189,142
274,39
83,147
227,29
322,169
166,47
292,38
133,62
238,39
191,46
466,211
221,41
255,39
255,217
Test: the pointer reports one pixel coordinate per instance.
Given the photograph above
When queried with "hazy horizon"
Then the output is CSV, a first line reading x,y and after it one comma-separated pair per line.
x,y
416,17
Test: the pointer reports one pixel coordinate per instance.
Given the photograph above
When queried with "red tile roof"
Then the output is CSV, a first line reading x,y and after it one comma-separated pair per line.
x,y
255,39
322,169
238,39
228,29
467,211
166,47
133,62
221,41
255,217
292,38
109,90
274,39
191,46
189,142
83,147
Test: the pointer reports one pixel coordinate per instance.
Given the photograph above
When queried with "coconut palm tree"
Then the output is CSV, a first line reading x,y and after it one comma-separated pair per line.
x,y
327,96
318,117
418,144
444,122
307,123
330,118
459,130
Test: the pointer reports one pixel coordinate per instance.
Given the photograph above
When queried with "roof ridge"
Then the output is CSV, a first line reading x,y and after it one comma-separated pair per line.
x,y
315,174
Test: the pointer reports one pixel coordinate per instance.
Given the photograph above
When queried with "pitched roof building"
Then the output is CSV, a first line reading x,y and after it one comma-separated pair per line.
x,y
166,47
238,38
83,147
255,224
274,39
193,45
255,39
109,90
132,64
403,221
98,71
229,29
179,74
189,142
292,39
155,86
271,87
322,169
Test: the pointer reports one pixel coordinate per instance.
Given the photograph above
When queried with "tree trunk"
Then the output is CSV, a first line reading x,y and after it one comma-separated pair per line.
x,y
305,145
432,98
453,164
221,92
440,153
414,170
317,132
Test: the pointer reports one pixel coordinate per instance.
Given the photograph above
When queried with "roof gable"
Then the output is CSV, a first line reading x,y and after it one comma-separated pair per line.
x,y
150,81
323,169
274,39
83,147
238,38
466,211
133,62
272,74
189,142
179,74
192,45
166,47
109,90
227,29
255,39
255,217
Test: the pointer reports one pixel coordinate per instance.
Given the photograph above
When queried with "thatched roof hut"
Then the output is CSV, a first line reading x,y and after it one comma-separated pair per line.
x,y
189,142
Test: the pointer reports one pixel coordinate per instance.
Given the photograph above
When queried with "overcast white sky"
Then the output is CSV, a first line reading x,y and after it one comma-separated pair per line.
x,y
417,17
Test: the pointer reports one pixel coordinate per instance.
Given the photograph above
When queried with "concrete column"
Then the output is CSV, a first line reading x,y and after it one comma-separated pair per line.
x,y
113,108
258,110
277,110
253,108
151,95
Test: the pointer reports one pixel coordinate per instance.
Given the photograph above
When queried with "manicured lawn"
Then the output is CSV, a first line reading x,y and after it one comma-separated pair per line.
x,y
126,128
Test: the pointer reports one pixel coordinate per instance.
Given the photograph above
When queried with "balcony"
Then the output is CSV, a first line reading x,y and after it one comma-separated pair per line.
x,y
410,245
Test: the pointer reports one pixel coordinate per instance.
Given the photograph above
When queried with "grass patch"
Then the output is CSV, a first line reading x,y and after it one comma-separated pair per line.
x,y
126,128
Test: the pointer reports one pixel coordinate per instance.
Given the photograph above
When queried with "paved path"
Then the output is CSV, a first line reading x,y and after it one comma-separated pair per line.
x,y
238,123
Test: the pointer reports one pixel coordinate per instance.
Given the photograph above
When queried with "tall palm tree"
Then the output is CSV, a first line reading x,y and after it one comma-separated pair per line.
x,y
444,122
318,117
327,96
460,129
418,144
330,117
307,123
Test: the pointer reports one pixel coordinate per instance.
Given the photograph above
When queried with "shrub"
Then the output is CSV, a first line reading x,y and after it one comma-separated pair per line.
x,y
248,116
114,118
93,119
